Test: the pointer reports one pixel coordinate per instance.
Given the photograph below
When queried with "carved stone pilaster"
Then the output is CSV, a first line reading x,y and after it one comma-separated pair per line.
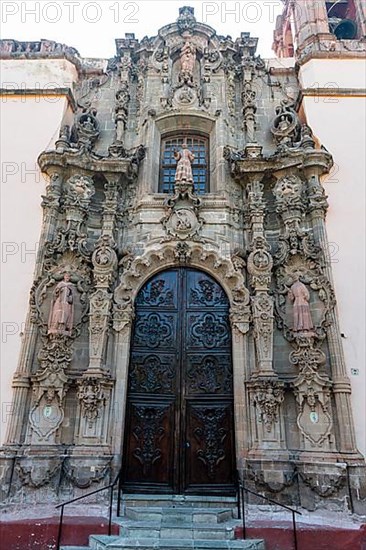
x,y
105,264
247,46
49,388
94,396
262,308
313,395
260,265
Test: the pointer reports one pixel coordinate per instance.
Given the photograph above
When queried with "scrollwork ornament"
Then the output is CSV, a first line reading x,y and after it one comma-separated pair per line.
x,y
267,397
286,126
92,398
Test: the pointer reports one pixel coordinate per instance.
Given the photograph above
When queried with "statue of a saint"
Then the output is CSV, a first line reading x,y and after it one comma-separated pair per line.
x,y
184,166
187,60
61,316
302,321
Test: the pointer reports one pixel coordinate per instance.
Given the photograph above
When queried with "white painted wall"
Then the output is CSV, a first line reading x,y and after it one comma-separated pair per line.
x,y
340,124
29,125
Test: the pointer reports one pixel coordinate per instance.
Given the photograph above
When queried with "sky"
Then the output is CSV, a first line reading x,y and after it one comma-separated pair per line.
x,y
92,26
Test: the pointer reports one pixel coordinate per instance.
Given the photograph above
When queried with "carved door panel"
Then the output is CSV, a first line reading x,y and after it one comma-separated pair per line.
x,y
179,422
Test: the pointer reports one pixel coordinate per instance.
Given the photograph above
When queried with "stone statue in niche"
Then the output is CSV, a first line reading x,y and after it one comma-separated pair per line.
x,y
61,318
300,296
187,61
185,158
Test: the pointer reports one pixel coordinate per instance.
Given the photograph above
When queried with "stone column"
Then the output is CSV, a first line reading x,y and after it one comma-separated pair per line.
x,y
341,384
95,386
265,390
122,326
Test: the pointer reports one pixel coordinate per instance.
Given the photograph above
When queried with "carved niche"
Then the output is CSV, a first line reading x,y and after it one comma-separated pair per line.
x,y
320,303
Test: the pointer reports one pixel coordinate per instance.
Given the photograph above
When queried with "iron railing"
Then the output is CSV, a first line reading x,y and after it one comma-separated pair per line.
x,y
110,507
241,490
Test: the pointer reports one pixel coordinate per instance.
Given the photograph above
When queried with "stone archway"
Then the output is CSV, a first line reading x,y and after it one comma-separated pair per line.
x,y
228,273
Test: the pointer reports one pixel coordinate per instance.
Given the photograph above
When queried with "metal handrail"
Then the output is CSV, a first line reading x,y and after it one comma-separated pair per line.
x,y
111,487
241,508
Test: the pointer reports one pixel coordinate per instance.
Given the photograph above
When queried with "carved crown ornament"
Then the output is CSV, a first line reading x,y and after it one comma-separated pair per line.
x,y
139,269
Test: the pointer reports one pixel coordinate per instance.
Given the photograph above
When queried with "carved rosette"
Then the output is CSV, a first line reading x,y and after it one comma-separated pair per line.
x,y
267,397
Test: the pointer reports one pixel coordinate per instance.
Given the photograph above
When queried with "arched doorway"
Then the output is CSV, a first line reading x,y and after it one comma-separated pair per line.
x,y
179,430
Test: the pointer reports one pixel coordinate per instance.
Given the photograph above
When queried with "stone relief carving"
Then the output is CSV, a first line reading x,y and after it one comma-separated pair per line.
x,y
87,128
37,476
47,413
267,397
181,253
78,471
92,397
285,126
313,393
260,264
71,236
121,111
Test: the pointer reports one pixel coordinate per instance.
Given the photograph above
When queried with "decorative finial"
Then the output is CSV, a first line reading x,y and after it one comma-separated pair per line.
x,y
186,20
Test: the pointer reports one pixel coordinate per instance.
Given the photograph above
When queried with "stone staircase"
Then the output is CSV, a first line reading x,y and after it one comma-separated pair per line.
x,y
174,523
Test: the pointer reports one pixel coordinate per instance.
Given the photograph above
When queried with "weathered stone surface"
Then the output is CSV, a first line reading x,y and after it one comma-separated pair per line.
x,y
259,230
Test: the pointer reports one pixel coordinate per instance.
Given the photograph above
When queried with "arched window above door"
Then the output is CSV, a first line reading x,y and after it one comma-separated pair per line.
x,y
199,146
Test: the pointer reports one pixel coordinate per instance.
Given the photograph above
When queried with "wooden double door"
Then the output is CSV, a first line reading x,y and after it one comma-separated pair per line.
x,y
179,430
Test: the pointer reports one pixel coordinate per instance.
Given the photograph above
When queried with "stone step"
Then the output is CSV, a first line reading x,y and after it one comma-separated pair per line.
x,y
179,514
98,542
191,501
168,529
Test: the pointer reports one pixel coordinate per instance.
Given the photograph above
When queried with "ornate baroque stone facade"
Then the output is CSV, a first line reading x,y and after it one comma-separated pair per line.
x,y
258,230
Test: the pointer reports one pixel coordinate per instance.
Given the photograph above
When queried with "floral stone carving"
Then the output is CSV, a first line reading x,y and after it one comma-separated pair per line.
x,y
267,397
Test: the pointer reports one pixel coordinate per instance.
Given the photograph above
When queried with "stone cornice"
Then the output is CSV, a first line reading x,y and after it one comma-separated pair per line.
x,y
334,92
241,169
43,92
86,162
